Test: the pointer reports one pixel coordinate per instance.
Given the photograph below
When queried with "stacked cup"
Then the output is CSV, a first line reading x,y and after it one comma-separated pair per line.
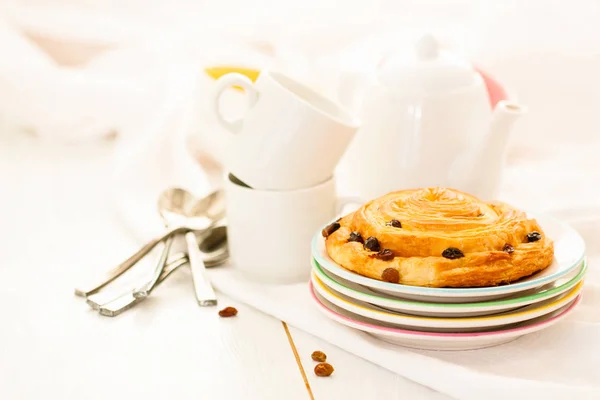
x,y
280,184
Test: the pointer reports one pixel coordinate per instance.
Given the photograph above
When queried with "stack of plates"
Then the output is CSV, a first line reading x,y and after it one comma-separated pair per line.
x,y
453,318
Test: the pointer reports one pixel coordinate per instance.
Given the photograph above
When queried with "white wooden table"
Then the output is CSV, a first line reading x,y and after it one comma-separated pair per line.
x,y
56,222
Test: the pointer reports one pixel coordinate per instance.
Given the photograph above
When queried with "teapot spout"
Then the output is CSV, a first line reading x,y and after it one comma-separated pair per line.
x,y
505,114
492,156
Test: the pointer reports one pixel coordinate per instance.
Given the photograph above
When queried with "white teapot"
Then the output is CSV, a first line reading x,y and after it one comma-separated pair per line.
x,y
427,120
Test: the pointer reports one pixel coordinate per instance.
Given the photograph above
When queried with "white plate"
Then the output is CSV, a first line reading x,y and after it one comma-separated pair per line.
x,y
390,303
440,341
569,250
443,324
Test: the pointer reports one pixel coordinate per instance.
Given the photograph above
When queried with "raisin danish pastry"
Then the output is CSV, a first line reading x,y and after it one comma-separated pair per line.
x,y
438,237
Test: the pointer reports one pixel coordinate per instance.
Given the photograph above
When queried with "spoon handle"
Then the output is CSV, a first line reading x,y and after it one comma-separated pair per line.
x,y
99,282
148,287
97,300
127,300
205,294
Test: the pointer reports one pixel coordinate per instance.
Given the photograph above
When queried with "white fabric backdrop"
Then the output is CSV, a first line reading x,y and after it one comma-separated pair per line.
x,y
77,69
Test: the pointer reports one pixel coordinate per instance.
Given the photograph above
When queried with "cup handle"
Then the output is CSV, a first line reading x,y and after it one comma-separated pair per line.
x,y
225,82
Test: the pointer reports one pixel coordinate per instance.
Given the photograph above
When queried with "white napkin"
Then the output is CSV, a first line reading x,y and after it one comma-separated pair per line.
x,y
560,362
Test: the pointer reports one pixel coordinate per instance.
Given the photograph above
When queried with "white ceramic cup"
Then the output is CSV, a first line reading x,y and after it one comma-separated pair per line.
x,y
269,232
290,137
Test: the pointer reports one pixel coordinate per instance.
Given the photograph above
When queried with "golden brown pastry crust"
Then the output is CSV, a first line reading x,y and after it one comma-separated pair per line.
x,y
434,219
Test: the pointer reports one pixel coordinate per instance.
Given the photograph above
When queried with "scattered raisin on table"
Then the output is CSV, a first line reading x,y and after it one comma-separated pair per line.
x,y
329,229
533,236
228,312
356,237
395,223
452,253
372,244
385,255
390,275
508,248
318,356
323,369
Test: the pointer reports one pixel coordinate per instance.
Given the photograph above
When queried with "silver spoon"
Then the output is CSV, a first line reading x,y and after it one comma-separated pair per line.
x,y
180,208
217,254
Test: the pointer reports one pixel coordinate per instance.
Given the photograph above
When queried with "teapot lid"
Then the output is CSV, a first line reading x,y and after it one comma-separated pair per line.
x,y
428,69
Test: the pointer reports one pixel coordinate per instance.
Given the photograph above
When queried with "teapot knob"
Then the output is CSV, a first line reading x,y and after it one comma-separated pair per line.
x,y
427,48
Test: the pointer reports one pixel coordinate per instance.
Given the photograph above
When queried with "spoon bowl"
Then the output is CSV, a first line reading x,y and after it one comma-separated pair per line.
x,y
214,240
213,246
178,207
